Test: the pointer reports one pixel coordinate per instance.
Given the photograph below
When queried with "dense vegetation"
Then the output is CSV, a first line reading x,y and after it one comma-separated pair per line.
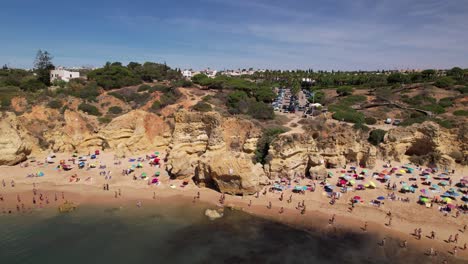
x,y
115,75
367,79
244,96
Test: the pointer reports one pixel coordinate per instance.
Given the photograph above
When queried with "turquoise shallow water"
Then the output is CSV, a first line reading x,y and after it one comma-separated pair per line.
x,y
179,234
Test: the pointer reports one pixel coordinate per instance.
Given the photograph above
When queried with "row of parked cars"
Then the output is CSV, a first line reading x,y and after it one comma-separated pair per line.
x,y
286,102
396,122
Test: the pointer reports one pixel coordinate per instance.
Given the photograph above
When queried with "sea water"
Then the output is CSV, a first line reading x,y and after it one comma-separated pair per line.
x,y
181,234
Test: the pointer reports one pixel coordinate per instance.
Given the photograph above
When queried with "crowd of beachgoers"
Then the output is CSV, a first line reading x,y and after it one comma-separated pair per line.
x,y
402,193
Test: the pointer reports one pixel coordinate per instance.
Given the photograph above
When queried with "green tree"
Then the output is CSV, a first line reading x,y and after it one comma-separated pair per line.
x,y
456,72
428,74
398,78
43,65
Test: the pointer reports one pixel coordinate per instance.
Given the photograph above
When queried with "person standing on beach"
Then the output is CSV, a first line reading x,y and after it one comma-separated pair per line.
x,y
455,239
281,197
269,205
450,239
198,195
382,243
120,193
250,203
3,183
432,235
332,220
365,227
281,210
18,198
464,228
303,210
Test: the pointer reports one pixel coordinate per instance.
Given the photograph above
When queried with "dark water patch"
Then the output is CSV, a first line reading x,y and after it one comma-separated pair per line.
x,y
182,234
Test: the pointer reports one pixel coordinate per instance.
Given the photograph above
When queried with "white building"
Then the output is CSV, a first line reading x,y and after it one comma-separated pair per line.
x,y
187,74
62,74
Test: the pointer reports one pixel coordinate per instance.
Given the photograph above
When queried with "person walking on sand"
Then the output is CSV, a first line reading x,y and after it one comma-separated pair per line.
x,y
120,193
332,220
365,227
464,229
250,203
281,197
18,198
455,239
281,210
382,243
198,195
404,244
303,210
269,205
115,196
432,235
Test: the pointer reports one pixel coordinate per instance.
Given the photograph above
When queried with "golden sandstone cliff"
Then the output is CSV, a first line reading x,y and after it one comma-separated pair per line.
x,y
219,152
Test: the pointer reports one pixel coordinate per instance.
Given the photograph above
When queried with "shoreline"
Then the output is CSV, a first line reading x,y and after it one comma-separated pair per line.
x,y
315,220
89,190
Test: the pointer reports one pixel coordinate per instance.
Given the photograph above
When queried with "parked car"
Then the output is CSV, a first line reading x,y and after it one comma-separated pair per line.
x,y
396,122
388,121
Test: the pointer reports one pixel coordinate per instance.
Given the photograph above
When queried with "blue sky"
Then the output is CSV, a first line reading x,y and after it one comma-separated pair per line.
x,y
323,34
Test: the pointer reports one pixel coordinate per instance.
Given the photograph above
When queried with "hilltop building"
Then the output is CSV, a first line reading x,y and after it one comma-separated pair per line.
x,y
62,74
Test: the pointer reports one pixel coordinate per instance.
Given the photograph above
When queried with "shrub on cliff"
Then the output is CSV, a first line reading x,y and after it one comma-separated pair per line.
x,y
202,107
370,120
263,144
55,104
143,87
89,109
115,110
461,113
376,136
260,110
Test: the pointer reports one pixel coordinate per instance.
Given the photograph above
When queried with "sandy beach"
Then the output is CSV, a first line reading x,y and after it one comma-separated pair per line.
x,y
124,189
